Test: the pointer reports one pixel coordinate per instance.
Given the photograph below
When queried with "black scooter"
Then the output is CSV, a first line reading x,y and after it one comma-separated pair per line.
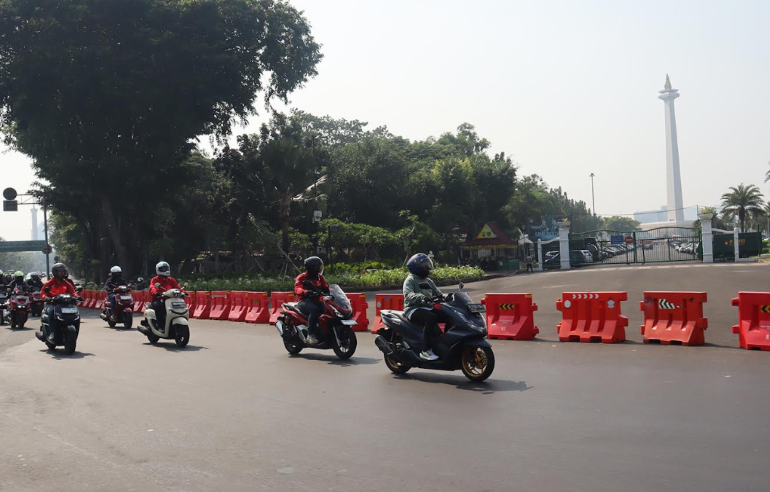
x,y
65,327
463,346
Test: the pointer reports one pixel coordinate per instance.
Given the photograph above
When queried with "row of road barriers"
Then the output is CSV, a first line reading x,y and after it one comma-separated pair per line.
x,y
669,317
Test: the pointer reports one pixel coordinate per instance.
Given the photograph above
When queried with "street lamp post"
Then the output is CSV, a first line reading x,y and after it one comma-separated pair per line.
x,y
593,199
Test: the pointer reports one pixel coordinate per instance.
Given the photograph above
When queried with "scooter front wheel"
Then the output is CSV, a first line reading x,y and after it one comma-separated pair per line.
x,y
182,337
128,320
346,347
477,362
152,338
292,347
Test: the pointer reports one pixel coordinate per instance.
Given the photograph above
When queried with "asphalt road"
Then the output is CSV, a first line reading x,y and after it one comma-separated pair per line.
x,y
234,412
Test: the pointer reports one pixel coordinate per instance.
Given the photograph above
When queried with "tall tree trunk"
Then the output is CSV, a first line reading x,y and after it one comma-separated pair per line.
x,y
113,229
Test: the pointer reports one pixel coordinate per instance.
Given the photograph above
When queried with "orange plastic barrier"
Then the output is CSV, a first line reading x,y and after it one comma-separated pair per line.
x,y
220,305
257,308
510,316
674,317
238,306
86,295
276,299
359,305
753,328
202,305
101,299
592,316
385,301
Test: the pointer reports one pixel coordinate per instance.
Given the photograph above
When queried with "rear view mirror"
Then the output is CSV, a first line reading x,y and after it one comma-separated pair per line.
x,y
462,285
140,280
157,285
185,285
425,285
79,289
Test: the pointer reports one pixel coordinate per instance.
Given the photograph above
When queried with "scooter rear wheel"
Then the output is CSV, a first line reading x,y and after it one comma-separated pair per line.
x,y
395,366
477,363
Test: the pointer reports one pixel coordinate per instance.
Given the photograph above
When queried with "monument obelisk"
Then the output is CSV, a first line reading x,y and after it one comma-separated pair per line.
x,y
674,207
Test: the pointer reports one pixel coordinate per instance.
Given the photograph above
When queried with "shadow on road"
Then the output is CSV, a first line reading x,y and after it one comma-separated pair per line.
x,y
333,360
172,347
488,387
59,354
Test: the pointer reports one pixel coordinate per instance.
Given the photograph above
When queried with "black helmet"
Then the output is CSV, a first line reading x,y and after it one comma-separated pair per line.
x,y
314,264
420,265
59,267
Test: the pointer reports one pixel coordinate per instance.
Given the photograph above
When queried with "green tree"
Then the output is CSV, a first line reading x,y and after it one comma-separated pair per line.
x,y
621,224
106,95
741,202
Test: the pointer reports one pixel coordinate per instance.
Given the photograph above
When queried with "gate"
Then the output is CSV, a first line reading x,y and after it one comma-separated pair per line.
x,y
659,245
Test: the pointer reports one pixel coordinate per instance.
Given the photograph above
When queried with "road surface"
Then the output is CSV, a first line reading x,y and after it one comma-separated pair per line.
x,y
234,412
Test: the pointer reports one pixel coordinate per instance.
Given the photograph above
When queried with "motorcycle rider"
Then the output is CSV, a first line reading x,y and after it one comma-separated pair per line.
x,y
113,281
34,283
167,282
54,287
417,310
310,286
16,283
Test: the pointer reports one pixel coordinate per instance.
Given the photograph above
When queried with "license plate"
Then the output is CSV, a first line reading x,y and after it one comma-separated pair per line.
x,y
126,298
69,310
178,304
476,308
349,322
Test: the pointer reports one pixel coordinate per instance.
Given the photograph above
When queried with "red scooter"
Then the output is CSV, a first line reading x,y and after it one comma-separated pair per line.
x,y
334,326
124,308
18,308
36,305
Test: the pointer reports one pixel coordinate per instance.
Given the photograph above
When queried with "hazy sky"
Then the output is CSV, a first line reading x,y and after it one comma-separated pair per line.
x,y
566,88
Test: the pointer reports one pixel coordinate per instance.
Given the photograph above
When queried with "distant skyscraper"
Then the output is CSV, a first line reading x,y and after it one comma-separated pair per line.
x,y
35,227
674,205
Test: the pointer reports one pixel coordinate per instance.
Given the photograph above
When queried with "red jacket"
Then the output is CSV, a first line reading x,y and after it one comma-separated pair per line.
x,y
57,287
299,289
166,283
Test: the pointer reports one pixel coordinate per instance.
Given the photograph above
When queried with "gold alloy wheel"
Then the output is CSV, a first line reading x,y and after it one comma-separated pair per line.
x,y
474,361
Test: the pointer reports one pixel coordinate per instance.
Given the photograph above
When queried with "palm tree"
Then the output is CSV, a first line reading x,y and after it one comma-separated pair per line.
x,y
767,175
707,210
743,200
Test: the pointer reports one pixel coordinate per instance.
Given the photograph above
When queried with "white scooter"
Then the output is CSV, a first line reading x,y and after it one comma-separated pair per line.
x,y
177,326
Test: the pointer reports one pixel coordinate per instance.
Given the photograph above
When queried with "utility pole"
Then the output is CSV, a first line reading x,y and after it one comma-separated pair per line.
x,y
593,199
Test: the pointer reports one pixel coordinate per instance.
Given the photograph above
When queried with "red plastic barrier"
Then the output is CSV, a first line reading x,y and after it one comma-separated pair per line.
x,y
359,305
257,308
138,302
95,298
86,295
202,305
145,298
753,328
276,299
385,301
674,317
220,305
88,299
101,299
238,306
592,316
190,301
510,316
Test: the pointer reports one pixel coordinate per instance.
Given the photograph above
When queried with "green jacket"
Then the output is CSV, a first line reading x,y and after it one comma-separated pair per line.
x,y
414,295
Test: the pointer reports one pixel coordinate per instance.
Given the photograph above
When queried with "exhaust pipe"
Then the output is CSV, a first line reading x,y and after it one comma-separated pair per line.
x,y
384,346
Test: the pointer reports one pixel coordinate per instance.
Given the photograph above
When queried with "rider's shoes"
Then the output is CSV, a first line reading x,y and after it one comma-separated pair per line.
x,y
311,340
428,355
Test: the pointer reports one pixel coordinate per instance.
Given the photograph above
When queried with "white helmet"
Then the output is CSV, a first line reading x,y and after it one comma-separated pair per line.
x,y
116,269
163,268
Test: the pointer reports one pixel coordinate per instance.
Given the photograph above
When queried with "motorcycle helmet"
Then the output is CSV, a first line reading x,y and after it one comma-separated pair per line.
x,y
35,275
163,269
420,265
314,265
59,270
116,272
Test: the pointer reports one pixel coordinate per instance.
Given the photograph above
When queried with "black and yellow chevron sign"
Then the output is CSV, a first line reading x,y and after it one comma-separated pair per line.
x,y
507,307
765,309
